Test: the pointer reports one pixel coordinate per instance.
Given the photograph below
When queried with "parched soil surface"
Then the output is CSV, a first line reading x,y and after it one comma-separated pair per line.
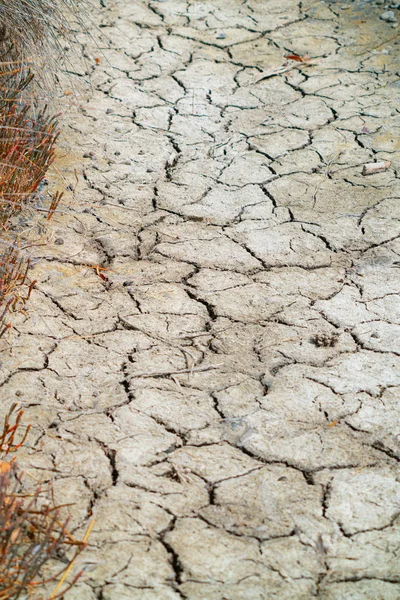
x,y
211,355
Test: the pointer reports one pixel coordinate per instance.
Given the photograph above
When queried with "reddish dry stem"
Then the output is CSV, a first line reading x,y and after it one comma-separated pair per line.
x,y
31,533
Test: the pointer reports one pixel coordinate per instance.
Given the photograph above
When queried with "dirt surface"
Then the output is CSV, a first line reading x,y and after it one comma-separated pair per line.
x,y
211,355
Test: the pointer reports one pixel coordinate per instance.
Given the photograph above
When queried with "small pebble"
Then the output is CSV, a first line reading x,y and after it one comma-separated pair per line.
x,y
388,16
59,241
221,36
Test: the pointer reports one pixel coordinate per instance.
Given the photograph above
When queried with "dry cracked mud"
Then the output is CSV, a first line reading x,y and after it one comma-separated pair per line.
x,y
211,355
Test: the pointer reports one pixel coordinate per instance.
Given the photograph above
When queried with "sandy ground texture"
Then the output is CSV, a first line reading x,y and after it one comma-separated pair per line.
x,y
211,356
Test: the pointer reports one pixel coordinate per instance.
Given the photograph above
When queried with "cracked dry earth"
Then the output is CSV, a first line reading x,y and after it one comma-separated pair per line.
x,y
221,395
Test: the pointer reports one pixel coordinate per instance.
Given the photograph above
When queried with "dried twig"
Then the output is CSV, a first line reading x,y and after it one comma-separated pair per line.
x,y
177,371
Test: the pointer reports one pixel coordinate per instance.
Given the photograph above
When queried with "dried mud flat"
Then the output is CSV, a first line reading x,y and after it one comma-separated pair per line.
x,y
221,392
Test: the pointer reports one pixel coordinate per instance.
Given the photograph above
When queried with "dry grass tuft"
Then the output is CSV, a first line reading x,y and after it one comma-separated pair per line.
x,y
32,537
13,271
35,28
26,152
34,540
27,149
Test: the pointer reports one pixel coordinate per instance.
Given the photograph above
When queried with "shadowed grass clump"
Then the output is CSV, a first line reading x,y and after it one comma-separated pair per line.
x,y
32,537
32,29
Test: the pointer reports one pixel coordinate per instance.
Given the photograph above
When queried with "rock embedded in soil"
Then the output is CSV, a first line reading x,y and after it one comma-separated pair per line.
x,y
388,16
